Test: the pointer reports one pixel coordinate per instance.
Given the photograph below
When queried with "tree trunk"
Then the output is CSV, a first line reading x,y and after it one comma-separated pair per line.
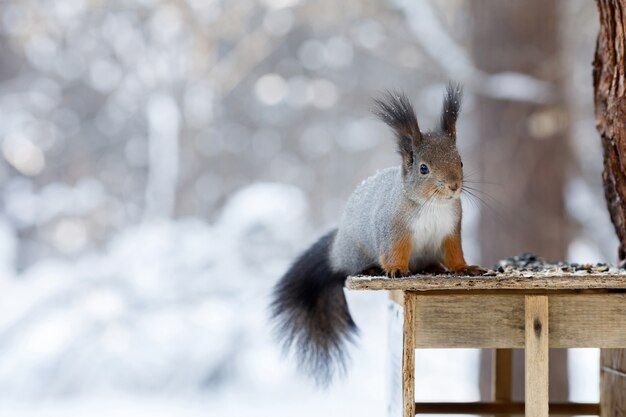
x,y
521,146
609,84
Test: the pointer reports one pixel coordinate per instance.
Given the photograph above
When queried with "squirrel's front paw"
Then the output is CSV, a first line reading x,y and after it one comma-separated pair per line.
x,y
396,272
471,270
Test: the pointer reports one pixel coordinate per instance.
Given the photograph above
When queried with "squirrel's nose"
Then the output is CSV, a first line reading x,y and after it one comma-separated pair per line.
x,y
453,187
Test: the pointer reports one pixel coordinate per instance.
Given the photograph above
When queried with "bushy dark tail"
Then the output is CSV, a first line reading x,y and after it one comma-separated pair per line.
x,y
311,313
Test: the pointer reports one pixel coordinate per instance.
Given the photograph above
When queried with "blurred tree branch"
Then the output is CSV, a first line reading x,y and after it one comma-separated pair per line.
x,y
452,57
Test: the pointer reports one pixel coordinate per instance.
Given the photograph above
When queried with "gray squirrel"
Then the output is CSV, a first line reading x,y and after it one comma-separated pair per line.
x,y
402,220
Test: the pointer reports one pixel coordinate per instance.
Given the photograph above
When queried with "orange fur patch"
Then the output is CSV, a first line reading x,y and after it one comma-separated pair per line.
x,y
453,253
397,260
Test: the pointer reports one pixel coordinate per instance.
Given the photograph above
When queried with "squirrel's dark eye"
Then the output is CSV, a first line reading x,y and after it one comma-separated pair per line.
x,y
423,169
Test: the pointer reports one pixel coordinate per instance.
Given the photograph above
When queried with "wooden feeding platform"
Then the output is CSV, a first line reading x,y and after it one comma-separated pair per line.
x,y
552,307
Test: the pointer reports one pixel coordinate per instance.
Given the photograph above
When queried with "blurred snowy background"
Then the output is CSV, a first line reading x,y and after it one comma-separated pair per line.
x,y
162,161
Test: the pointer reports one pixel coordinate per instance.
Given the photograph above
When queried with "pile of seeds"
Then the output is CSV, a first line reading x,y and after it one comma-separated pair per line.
x,y
529,264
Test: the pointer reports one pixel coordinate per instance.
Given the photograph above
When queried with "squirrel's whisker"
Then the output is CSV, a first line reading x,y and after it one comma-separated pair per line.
x,y
470,177
484,193
473,181
484,203
428,201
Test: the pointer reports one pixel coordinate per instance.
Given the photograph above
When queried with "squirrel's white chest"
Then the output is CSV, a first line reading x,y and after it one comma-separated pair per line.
x,y
430,228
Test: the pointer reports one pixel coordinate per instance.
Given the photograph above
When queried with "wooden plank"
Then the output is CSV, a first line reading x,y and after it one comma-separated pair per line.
x,y
458,321
536,351
500,408
408,355
588,320
502,375
613,382
497,321
498,282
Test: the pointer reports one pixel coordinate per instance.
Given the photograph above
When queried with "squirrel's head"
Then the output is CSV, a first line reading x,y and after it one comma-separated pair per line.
x,y
431,164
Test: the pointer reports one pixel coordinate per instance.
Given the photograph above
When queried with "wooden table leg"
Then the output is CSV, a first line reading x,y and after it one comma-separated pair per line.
x,y
408,355
502,376
536,323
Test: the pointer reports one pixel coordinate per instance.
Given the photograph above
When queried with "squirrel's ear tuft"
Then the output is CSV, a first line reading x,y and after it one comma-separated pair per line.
x,y
451,108
395,109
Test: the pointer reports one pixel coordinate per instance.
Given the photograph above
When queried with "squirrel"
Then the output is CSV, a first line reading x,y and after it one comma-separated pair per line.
x,y
402,220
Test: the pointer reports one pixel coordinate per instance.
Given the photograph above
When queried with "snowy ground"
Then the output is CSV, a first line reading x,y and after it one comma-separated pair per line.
x,y
171,320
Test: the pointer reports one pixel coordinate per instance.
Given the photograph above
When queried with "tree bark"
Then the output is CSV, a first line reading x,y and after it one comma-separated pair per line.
x,y
522,146
609,82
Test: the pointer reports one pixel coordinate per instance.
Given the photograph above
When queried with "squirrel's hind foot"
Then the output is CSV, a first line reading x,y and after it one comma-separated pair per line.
x,y
471,270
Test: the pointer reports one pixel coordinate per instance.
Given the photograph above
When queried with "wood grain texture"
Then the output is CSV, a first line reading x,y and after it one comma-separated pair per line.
x,y
502,376
588,320
501,409
408,355
536,375
613,382
455,321
497,321
501,282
